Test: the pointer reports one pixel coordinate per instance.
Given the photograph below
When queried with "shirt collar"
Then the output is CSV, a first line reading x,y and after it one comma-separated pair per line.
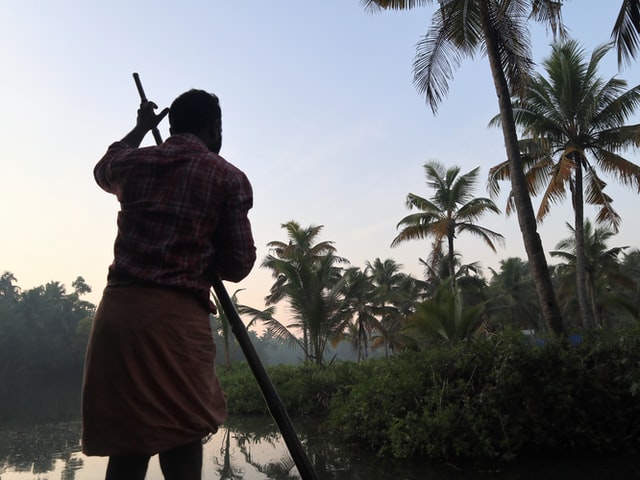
x,y
188,139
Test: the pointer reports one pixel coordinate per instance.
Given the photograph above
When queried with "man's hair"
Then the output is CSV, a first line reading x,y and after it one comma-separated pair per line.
x,y
194,110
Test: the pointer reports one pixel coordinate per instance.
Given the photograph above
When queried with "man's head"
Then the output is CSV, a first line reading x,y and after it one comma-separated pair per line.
x,y
198,112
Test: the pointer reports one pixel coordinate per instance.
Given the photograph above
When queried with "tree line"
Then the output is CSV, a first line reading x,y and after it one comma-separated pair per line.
x,y
380,310
43,330
346,312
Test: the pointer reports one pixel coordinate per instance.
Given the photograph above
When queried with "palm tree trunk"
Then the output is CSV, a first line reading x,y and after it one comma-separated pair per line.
x,y
305,343
586,312
524,209
452,261
227,355
597,313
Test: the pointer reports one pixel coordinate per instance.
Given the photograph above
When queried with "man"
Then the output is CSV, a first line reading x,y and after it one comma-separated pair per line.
x,y
149,383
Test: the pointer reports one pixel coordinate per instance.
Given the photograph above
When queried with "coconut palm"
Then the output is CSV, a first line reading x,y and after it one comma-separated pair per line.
x,y
631,268
580,118
606,280
308,276
380,297
513,296
497,28
444,317
451,210
220,323
393,297
9,291
359,290
436,271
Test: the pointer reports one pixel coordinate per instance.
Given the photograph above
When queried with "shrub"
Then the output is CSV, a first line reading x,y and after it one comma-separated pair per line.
x,y
487,400
496,399
303,389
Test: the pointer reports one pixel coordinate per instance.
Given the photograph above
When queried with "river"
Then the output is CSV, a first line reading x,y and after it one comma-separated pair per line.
x,y
40,439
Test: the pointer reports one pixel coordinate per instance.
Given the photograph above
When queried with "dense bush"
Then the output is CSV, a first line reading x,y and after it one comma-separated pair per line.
x,y
492,399
499,398
304,390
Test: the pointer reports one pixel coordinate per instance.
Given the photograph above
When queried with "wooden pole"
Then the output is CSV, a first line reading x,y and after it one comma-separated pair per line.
x,y
143,99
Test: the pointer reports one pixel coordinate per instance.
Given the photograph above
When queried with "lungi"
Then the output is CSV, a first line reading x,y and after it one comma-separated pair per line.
x,y
149,380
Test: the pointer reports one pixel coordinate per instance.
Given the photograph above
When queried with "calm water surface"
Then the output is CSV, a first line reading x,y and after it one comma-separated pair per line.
x,y
40,435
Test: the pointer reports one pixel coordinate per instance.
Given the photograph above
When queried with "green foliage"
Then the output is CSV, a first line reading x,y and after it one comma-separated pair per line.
x,y
444,317
306,389
512,296
498,398
488,400
241,388
308,277
43,330
451,209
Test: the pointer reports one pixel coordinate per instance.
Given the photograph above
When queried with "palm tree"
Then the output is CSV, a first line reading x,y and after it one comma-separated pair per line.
x,y
512,295
578,116
451,210
436,271
631,268
393,297
360,290
379,299
606,281
8,290
223,327
308,277
498,28
444,317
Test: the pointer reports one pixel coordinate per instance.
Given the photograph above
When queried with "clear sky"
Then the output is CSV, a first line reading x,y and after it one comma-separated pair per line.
x,y
319,110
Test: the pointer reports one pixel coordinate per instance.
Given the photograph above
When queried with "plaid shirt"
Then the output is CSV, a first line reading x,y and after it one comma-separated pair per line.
x,y
183,214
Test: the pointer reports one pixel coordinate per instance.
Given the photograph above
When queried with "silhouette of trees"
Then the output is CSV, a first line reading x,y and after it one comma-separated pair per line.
x,y
43,330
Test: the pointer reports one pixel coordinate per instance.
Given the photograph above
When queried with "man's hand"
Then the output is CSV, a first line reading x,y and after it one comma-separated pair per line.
x,y
145,121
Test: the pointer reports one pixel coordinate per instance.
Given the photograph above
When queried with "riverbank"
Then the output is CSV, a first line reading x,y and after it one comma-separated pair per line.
x,y
487,402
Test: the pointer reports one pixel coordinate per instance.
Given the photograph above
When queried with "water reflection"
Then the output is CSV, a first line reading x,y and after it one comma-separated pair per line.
x,y
39,428
259,445
40,438
247,448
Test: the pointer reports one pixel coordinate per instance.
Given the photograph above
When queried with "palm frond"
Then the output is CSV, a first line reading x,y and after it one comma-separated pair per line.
x,y
377,5
625,171
549,12
475,209
489,236
437,57
512,36
626,31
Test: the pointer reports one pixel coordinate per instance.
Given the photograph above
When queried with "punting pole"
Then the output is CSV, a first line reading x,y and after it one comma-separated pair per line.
x,y
143,99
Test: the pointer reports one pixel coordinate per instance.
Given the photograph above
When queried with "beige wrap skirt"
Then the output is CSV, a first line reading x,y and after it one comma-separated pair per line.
x,y
149,380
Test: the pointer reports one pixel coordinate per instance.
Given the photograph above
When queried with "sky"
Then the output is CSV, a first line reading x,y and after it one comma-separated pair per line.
x,y
319,110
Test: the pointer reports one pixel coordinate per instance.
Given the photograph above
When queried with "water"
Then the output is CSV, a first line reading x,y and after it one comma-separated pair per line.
x,y
40,439
247,448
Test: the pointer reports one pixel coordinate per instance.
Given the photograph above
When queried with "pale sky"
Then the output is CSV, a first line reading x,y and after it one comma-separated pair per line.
x,y
318,106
